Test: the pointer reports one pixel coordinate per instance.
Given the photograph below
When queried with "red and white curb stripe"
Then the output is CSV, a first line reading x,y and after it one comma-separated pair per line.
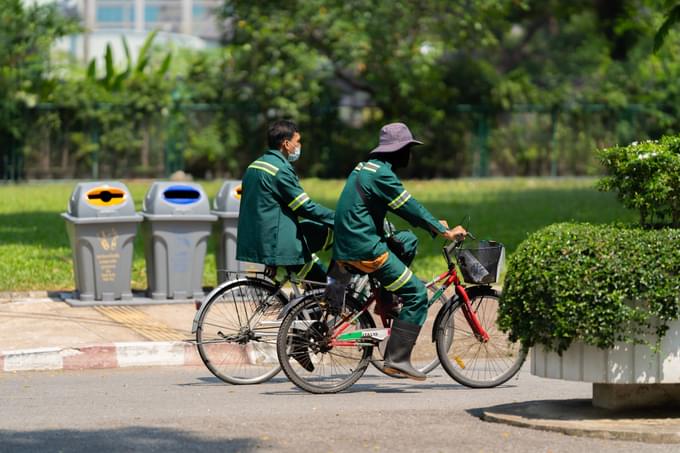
x,y
111,355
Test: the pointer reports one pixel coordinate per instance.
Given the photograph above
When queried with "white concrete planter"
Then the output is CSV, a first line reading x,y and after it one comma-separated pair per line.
x,y
623,364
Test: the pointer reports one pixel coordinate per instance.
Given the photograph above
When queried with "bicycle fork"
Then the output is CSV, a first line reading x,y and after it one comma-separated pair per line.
x,y
470,316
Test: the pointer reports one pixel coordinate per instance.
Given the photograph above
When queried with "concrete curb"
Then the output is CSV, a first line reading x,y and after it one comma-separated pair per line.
x,y
111,355
580,418
11,296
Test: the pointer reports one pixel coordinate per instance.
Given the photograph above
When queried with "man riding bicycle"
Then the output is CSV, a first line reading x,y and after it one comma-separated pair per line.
x,y
270,228
371,190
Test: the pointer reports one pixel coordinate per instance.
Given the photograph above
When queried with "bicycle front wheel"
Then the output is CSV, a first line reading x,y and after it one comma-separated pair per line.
x,y
467,359
308,354
236,333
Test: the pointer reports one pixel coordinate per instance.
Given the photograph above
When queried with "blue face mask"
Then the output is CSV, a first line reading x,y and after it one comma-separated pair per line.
x,y
295,155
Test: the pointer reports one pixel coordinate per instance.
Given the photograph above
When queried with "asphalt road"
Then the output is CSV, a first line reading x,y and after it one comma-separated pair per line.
x,y
186,409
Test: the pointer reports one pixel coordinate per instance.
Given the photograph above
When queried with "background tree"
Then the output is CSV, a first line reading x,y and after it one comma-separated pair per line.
x,y
26,35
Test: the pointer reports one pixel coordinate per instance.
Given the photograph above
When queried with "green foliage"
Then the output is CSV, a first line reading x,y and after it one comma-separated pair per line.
x,y
672,18
596,284
646,177
109,116
419,62
26,34
540,84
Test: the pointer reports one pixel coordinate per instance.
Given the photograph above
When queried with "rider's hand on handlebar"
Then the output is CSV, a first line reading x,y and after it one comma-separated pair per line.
x,y
456,234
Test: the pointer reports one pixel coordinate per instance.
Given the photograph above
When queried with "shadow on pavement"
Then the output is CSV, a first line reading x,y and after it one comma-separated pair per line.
x,y
572,410
124,439
384,387
213,381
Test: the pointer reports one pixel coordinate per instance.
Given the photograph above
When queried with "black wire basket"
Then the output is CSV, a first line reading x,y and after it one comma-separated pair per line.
x,y
482,264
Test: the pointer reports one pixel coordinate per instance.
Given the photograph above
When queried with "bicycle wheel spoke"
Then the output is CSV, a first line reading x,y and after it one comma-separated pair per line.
x,y
307,355
477,363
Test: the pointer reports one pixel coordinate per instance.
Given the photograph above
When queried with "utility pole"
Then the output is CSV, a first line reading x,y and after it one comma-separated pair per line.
x,y
187,17
139,16
89,15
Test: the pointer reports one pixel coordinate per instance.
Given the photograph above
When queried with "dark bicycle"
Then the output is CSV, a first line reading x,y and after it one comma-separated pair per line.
x,y
325,348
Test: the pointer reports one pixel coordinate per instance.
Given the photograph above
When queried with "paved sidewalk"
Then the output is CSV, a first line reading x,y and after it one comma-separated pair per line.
x,y
44,333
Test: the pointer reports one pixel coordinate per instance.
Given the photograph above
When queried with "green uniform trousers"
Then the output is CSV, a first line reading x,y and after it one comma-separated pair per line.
x,y
318,237
396,277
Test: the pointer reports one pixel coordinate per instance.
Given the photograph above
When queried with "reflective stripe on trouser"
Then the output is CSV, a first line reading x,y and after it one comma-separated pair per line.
x,y
316,271
396,277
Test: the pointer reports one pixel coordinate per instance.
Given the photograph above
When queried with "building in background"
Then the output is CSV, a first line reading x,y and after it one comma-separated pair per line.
x,y
184,23
187,17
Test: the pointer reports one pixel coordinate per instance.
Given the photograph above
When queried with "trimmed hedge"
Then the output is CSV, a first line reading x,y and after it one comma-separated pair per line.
x,y
646,177
595,283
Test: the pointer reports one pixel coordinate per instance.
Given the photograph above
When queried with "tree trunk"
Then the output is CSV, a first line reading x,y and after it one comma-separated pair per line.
x,y
145,146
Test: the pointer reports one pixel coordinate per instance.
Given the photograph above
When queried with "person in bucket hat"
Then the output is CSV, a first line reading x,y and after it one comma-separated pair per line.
x,y
372,189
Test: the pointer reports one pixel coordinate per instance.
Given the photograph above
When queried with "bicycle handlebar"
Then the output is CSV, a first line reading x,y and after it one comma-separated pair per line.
x,y
451,246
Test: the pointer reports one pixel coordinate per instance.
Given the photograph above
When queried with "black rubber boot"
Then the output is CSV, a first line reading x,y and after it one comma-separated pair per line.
x,y
398,352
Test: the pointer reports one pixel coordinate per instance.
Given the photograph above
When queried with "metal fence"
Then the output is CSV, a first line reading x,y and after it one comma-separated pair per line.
x,y
213,141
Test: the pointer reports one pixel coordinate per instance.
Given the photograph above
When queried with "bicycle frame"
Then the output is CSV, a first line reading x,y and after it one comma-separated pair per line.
x,y
450,277
297,287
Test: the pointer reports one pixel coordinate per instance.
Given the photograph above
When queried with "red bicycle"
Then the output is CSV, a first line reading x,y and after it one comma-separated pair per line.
x,y
325,349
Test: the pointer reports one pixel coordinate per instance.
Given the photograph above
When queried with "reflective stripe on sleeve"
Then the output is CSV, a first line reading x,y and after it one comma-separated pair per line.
x,y
400,200
298,201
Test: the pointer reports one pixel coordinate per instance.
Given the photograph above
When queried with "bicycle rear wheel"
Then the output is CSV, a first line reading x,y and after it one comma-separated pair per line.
x,y
467,359
236,333
306,352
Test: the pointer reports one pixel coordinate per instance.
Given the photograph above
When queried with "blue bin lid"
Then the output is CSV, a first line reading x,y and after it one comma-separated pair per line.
x,y
181,194
182,201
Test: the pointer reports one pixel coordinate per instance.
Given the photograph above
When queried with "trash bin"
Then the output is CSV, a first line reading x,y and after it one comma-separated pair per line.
x,y
176,232
226,207
101,223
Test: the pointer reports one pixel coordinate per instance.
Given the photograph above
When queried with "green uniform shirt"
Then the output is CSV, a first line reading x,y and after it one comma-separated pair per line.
x,y
271,202
357,218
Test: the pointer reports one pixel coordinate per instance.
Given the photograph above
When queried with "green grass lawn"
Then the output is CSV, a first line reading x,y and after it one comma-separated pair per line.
x,y
35,252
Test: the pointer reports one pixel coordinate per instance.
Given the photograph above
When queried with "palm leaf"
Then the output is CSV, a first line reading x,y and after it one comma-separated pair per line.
x,y
128,57
110,70
672,18
142,58
92,70
165,66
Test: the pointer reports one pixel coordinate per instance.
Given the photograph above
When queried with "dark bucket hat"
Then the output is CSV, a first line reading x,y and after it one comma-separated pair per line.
x,y
393,137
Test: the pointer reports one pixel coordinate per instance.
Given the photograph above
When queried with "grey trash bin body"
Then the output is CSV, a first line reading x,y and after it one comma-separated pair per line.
x,y
101,223
226,207
176,231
